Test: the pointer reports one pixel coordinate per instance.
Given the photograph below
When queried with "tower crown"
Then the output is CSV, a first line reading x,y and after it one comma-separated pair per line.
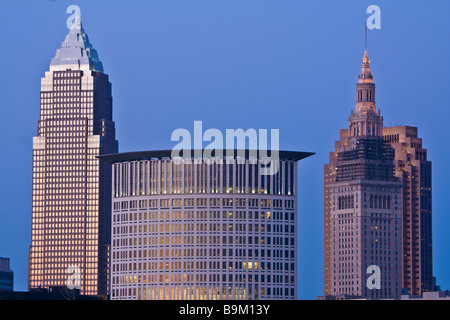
x,y
366,75
76,51
365,88
366,122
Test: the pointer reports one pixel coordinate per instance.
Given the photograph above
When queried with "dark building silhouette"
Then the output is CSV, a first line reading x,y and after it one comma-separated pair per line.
x,y
51,293
6,276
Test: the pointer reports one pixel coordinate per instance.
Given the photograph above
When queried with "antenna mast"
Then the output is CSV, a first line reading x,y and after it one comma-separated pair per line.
x,y
365,35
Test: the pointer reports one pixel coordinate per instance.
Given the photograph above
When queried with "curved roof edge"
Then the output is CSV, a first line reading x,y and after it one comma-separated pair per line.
x,y
159,154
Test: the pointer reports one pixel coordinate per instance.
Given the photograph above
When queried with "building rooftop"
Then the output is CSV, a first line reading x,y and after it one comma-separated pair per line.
x,y
4,264
160,154
77,50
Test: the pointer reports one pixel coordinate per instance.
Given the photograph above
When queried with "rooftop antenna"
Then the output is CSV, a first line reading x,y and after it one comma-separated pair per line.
x,y
365,35
77,17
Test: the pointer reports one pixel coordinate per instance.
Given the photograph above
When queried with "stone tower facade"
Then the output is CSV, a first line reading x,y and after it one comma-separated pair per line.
x,y
363,205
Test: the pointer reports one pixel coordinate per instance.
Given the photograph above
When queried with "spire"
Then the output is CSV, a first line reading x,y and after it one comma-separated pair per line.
x,y
366,122
365,59
365,88
366,75
76,51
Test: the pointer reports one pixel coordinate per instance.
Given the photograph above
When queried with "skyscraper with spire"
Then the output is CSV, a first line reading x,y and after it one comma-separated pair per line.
x,y
71,197
362,205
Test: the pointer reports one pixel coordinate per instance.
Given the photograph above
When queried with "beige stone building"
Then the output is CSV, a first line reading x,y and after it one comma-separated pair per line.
x,y
377,205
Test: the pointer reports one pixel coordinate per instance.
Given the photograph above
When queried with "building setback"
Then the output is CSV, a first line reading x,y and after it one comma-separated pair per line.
x,y
414,170
71,188
202,230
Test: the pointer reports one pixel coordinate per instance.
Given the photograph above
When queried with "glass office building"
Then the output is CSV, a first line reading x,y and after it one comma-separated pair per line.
x,y
203,230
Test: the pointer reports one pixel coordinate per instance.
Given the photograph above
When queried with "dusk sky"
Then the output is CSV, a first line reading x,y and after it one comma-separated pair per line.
x,y
264,64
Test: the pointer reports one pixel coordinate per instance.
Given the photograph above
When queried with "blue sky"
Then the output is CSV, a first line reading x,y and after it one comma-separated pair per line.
x,y
262,64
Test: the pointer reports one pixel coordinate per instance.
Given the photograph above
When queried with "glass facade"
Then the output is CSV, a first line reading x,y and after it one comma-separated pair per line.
x,y
203,231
